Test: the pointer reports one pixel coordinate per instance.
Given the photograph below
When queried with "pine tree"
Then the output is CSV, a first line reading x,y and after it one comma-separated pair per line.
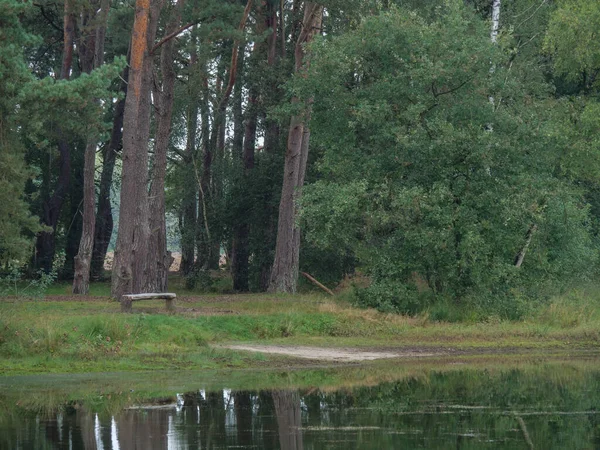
x,y
17,225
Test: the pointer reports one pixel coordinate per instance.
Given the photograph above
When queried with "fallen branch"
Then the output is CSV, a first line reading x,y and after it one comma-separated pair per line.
x,y
316,283
521,255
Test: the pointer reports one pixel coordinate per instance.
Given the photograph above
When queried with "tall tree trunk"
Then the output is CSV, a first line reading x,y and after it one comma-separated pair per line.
x,y
188,207
68,41
207,193
494,38
296,20
271,22
239,244
217,141
266,18
92,56
239,265
71,213
495,20
272,134
130,267
46,240
496,6
237,143
284,275
202,175
104,217
282,27
159,259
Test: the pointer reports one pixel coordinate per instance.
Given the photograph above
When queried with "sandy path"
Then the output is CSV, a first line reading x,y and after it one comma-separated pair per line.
x,y
327,354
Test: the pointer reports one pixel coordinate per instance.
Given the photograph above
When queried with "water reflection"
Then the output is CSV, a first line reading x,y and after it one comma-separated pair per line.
x,y
462,410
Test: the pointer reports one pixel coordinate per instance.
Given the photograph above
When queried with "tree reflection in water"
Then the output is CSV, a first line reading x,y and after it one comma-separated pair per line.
x,y
289,420
463,410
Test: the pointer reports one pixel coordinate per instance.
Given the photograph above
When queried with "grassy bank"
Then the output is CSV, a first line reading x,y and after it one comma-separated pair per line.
x,y
62,333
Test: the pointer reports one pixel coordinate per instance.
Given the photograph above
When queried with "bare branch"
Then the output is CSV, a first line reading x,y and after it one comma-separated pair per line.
x,y
234,58
172,35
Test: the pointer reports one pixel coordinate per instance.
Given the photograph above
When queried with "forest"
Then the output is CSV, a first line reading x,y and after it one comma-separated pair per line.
x,y
425,154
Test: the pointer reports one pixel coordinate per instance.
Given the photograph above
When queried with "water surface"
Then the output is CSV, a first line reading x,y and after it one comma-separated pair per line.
x,y
549,405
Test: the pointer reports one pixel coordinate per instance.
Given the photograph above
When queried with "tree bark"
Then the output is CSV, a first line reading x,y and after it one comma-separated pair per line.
x,y
68,41
239,244
130,267
494,38
528,237
92,51
240,254
284,275
267,19
271,22
317,283
282,27
272,138
104,217
159,259
203,175
205,256
495,20
188,207
210,249
237,144
46,240
241,231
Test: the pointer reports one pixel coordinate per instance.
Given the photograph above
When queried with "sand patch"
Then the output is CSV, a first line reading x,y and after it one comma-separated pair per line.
x,y
329,354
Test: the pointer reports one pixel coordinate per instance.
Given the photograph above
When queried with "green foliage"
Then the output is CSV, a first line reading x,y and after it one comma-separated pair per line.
x,y
572,40
431,185
16,223
13,282
59,108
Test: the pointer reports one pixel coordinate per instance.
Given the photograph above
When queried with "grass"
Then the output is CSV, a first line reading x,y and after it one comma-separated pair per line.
x,y
45,336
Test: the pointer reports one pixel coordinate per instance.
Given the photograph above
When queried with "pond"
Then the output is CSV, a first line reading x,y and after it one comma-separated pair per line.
x,y
519,405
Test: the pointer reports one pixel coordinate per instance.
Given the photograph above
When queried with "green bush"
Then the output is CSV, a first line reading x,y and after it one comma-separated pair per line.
x,y
432,190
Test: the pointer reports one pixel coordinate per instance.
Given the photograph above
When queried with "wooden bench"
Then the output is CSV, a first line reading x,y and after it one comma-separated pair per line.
x,y
128,299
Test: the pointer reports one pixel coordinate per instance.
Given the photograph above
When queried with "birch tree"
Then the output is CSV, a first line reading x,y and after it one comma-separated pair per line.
x,y
495,20
433,204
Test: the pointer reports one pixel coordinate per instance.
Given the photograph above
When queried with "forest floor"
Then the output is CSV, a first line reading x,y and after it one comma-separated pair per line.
x,y
61,333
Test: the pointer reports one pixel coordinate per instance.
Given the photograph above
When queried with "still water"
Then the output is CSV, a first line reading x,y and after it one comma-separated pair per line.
x,y
543,406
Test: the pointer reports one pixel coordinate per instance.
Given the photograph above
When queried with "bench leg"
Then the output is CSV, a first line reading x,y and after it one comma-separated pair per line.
x,y
171,304
125,305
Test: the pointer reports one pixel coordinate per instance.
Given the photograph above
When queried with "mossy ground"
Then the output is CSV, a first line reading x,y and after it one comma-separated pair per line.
x,y
62,333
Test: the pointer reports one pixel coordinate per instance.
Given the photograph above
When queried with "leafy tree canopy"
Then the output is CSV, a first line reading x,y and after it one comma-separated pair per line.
x,y
573,42
437,163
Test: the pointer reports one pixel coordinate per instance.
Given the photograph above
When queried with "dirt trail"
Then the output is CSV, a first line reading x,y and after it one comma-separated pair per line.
x,y
330,354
